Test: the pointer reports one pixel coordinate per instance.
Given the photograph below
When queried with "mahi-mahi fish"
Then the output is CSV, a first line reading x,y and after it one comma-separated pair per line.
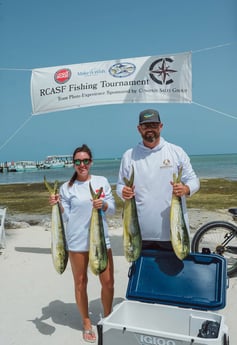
x,y
132,239
98,256
58,242
178,229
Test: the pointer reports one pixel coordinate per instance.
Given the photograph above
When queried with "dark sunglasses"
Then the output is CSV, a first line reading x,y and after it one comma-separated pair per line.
x,y
85,161
150,125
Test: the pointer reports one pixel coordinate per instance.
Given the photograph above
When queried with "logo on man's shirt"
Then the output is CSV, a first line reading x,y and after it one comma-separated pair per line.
x,y
166,163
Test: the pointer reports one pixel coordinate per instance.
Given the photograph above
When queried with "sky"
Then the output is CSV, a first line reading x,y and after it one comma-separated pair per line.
x,y
38,34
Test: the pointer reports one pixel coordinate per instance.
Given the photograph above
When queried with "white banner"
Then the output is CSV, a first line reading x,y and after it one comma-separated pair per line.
x,y
151,79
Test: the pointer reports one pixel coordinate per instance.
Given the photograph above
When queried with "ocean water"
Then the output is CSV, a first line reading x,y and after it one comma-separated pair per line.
x,y
215,166
205,166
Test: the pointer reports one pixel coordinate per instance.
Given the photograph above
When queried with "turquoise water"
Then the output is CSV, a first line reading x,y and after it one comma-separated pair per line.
x,y
211,166
206,166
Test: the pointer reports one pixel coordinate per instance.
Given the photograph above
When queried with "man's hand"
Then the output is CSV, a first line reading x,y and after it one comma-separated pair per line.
x,y
128,192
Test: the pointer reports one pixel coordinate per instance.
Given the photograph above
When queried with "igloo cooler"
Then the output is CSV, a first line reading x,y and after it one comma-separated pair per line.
x,y
170,302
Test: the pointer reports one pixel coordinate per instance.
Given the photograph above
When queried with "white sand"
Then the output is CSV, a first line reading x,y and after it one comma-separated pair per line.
x,y
37,305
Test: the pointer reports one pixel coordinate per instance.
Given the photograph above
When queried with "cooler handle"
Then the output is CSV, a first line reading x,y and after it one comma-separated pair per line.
x,y
131,270
100,334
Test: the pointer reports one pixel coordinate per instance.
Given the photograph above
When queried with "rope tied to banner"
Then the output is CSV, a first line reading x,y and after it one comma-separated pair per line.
x,y
192,102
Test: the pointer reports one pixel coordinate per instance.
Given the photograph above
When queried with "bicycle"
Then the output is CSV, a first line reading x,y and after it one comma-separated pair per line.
x,y
219,237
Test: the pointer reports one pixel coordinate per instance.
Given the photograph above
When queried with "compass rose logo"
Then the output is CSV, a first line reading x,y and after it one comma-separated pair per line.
x,y
160,71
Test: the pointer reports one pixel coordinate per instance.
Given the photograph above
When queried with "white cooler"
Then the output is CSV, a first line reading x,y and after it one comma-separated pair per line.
x,y
170,302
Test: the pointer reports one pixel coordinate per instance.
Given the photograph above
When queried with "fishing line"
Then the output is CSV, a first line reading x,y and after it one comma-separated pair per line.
x,y
16,132
215,110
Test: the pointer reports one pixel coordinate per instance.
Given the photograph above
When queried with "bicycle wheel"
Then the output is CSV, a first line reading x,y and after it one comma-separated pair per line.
x,y
218,237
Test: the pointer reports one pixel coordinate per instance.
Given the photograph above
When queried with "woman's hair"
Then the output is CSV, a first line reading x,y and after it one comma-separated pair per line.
x,y
83,148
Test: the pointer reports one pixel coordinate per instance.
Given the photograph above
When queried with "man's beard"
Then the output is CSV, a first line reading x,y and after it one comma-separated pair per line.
x,y
150,136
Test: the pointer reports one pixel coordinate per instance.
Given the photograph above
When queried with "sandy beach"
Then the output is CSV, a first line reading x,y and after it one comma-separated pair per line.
x,y
38,305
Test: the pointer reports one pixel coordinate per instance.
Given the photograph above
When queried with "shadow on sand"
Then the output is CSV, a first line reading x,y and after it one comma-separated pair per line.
x,y
67,314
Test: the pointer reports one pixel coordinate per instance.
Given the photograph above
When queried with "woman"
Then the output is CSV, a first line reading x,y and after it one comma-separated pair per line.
x,y
76,205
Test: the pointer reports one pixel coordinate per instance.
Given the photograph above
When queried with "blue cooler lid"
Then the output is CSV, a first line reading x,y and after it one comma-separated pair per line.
x,y
198,282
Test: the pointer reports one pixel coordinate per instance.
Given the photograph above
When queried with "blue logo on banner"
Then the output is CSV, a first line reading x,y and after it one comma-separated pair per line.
x,y
122,70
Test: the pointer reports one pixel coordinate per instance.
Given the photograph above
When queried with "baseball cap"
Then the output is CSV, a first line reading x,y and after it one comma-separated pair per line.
x,y
149,115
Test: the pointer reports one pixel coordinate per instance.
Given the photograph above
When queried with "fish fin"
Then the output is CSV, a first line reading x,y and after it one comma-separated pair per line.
x,y
99,192
55,188
179,174
174,178
47,185
129,182
126,181
94,194
52,190
177,179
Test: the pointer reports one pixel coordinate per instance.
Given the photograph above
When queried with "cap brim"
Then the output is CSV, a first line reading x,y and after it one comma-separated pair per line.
x,y
148,121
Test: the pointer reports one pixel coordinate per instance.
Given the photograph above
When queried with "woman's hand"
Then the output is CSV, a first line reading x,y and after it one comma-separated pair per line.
x,y
100,204
54,199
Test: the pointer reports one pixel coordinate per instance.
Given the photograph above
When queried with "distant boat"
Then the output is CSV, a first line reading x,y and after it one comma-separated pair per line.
x,y
69,164
53,164
22,166
58,161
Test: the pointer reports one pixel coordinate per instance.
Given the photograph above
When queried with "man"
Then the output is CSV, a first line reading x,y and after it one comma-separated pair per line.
x,y
155,161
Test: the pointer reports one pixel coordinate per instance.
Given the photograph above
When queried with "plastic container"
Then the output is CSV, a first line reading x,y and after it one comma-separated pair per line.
x,y
170,302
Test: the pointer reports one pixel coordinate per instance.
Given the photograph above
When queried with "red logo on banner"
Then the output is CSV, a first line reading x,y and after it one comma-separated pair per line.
x,y
62,76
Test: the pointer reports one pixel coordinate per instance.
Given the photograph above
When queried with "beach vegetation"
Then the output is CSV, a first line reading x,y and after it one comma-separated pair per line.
x,y
32,198
214,194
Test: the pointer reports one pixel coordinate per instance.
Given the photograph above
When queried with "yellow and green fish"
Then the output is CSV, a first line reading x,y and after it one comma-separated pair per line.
x,y
58,242
132,239
98,256
178,230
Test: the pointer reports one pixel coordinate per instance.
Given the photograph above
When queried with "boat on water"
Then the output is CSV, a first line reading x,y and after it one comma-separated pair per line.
x,y
22,166
51,162
58,161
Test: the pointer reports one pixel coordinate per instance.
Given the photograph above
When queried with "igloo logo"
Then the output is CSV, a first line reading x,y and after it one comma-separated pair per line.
x,y
151,340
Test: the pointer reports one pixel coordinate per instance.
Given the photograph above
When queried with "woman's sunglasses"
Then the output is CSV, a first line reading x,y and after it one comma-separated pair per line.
x,y
84,161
